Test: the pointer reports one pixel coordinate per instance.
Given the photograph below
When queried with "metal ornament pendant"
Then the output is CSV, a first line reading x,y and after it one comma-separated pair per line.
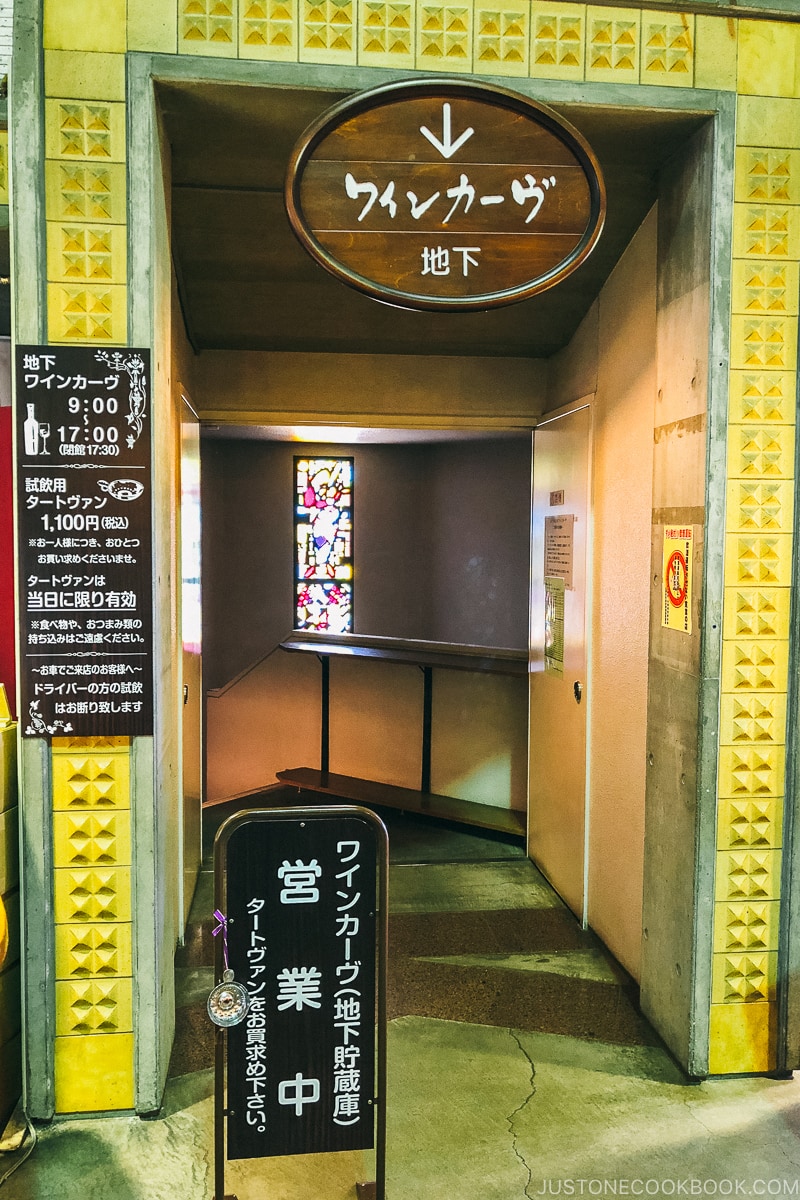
x,y
228,1002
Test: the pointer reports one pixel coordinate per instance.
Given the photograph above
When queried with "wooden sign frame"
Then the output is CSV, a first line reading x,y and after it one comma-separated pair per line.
x,y
363,180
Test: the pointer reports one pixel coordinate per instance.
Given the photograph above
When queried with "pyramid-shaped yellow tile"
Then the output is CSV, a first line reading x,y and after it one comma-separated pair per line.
x,y
97,180
98,119
72,116
98,146
98,240
72,143
100,302
101,330
757,221
73,240
74,267
76,329
76,303
100,268
657,63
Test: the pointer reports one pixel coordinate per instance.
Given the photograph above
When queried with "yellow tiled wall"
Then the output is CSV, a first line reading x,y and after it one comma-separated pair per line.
x,y
759,535
92,899
508,37
86,211
87,304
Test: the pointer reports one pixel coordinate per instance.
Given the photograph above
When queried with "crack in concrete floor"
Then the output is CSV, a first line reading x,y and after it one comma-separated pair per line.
x,y
520,1109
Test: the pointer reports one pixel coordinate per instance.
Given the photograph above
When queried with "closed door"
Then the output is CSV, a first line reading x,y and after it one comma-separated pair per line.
x,y
559,691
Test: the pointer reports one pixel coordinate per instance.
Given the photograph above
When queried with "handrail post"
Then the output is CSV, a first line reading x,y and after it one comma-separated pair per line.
x,y
427,727
325,712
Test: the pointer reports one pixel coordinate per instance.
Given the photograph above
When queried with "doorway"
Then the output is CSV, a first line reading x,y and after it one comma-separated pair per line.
x,y
428,692
284,346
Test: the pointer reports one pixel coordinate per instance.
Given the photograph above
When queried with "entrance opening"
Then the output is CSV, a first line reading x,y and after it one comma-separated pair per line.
x,y
437,410
422,706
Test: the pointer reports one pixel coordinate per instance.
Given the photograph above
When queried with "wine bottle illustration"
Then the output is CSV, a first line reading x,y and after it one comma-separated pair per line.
x,y
30,433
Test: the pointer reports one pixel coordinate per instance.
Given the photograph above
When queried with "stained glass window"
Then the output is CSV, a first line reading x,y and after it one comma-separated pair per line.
x,y
323,538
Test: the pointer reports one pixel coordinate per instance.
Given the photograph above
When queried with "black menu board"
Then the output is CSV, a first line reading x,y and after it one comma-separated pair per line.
x,y
85,541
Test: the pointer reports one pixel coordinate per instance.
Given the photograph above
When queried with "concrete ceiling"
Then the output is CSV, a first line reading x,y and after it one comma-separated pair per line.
x,y
245,282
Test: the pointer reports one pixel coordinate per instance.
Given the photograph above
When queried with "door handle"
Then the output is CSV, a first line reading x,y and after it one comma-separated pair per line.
x,y
577,691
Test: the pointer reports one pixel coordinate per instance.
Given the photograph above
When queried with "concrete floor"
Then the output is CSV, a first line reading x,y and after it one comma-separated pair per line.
x,y
518,1067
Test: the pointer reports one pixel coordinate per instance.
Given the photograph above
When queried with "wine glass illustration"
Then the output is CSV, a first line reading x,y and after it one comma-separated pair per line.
x,y
44,434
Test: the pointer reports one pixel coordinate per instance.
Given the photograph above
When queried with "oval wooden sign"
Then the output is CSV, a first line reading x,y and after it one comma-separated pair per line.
x,y
445,194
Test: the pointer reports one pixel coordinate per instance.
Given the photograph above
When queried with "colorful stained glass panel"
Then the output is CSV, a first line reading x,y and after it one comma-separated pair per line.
x,y
323,529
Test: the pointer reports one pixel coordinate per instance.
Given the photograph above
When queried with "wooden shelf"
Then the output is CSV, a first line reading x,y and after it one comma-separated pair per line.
x,y
384,795
485,659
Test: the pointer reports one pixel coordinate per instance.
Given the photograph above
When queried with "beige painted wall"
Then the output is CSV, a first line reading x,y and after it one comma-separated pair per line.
x,y
266,722
479,738
376,721
441,541
623,486
613,356
406,391
269,721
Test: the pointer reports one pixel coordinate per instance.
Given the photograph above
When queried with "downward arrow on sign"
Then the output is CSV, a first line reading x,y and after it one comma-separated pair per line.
x,y
446,147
